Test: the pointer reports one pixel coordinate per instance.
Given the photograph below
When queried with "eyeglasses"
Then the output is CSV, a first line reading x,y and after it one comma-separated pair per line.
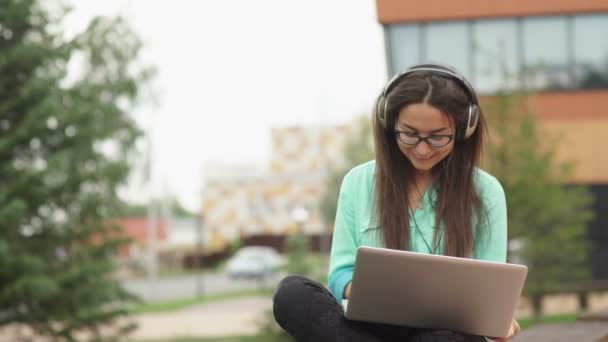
x,y
434,140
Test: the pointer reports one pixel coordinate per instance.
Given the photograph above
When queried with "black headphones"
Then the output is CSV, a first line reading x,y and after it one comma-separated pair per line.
x,y
464,129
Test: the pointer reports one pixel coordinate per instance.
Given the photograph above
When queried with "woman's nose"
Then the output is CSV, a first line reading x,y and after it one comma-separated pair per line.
x,y
423,148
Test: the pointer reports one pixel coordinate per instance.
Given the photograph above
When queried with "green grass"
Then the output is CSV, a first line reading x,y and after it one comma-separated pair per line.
x,y
527,323
173,305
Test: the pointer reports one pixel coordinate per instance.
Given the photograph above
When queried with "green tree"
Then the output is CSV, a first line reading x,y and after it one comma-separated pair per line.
x,y
548,217
358,149
65,143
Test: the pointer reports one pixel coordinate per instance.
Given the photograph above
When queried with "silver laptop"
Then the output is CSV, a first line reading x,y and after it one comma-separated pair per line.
x,y
432,291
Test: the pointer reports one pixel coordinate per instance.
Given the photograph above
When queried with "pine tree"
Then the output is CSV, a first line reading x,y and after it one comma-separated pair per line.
x,y
65,142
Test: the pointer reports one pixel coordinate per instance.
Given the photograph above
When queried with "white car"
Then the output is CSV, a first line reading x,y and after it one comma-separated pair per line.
x,y
254,262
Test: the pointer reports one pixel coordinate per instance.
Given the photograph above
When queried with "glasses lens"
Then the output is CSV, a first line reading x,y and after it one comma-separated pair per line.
x,y
439,140
408,138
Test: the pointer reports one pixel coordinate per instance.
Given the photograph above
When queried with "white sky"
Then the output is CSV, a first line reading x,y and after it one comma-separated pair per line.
x,y
229,70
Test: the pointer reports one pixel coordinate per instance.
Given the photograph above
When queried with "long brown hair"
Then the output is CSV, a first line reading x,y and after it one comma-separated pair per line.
x,y
458,204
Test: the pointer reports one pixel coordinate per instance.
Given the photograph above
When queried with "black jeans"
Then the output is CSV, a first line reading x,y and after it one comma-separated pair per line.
x,y
309,312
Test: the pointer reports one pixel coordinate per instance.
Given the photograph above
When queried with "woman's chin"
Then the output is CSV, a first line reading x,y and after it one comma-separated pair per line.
x,y
423,164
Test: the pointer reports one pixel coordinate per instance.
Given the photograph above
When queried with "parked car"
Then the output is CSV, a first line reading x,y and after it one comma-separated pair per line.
x,y
254,262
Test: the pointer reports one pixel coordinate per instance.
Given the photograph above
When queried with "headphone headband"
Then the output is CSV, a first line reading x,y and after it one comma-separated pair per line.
x,y
463,130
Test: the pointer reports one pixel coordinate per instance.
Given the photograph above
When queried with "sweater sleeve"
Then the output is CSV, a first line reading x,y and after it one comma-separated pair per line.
x,y
491,240
344,242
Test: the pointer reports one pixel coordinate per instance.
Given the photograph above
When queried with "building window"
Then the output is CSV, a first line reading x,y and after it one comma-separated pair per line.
x,y
590,51
449,43
545,53
404,47
495,55
540,53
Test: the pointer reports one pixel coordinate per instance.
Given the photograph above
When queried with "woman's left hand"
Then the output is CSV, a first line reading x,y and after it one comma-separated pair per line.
x,y
513,330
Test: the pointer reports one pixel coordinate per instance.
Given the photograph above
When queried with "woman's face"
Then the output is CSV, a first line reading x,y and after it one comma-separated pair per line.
x,y
424,120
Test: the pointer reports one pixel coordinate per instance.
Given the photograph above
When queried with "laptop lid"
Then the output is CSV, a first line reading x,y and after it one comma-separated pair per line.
x,y
432,291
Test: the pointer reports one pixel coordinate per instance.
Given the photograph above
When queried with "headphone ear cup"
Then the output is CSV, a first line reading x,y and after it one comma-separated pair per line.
x,y
471,123
380,110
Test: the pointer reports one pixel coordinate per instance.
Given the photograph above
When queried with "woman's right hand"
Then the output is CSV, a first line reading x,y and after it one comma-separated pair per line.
x,y
347,291
513,330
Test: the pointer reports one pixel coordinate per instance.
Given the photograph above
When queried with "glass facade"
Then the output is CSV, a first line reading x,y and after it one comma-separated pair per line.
x,y
590,51
494,54
449,41
405,49
545,53
556,52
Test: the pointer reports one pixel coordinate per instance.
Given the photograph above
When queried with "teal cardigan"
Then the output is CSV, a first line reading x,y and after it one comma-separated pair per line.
x,y
355,226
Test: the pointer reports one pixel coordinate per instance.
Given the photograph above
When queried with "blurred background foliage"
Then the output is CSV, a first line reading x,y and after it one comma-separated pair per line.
x,y
66,139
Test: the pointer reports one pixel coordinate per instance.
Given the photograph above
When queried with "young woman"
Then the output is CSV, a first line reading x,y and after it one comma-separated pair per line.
x,y
424,192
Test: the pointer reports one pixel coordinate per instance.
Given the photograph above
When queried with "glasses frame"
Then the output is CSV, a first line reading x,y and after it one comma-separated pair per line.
x,y
399,134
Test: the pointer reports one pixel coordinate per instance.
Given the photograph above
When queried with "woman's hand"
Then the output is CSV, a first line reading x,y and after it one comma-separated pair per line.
x,y
513,330
347,291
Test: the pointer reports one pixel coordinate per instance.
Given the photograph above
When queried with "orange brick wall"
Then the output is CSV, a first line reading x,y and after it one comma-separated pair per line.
x,y
583,143
395,11
571,105
579,119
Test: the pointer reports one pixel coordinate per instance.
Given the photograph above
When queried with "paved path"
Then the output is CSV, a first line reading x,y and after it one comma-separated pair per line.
x,y
566,332
230,317
591,326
